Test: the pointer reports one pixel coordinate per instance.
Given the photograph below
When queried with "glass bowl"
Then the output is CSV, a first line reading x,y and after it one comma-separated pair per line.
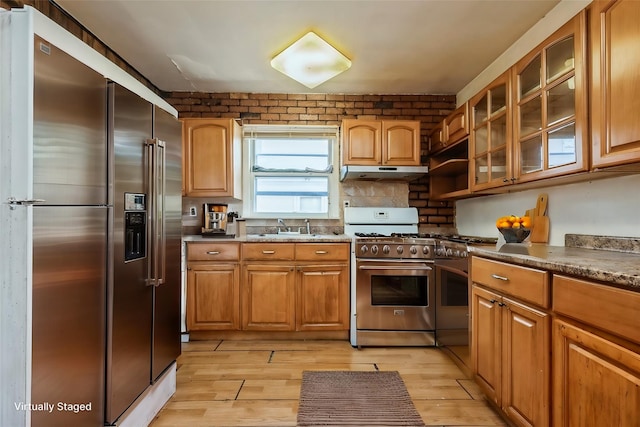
x,y
514,235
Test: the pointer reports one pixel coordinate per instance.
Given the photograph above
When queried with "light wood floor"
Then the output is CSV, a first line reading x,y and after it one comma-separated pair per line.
x,y
257,383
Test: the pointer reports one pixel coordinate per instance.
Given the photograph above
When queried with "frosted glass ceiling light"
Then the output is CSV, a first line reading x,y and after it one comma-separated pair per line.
x,y
311,61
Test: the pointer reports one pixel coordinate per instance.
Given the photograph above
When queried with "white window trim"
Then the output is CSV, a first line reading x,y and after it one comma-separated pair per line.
x,y
333,211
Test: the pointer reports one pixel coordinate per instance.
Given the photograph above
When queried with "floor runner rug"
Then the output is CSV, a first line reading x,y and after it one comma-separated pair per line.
x,y
350,398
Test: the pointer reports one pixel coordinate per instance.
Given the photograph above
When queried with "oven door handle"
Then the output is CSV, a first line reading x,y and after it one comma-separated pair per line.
x,y
394,267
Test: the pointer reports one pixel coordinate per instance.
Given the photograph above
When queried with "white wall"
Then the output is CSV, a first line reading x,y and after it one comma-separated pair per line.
x,y
607,207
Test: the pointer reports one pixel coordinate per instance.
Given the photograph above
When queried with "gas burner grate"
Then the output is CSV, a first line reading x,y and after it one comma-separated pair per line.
x,y
371,235
472,239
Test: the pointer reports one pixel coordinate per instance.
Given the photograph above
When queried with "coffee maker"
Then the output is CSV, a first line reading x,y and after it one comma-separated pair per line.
x,y
214,219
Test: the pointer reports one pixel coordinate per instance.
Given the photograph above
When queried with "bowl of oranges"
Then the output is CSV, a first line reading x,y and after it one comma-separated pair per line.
x,y
514,228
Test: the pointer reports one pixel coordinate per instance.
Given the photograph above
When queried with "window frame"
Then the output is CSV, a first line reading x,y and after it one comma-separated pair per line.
x,y
249,134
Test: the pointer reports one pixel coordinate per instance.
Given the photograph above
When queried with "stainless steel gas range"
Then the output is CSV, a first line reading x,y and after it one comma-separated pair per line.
x,y
407,289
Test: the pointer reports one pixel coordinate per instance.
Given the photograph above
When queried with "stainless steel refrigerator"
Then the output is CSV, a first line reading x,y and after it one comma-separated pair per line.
x,y
144,293
106,243
70,238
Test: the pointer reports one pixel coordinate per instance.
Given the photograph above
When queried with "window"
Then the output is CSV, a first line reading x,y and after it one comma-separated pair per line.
x,y
290,171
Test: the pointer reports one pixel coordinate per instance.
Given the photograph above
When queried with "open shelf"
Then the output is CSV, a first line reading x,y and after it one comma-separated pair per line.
x,y
449,172
449,167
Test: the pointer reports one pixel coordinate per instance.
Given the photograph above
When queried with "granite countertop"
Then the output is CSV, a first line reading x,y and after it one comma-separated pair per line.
x,y
314,238
600,261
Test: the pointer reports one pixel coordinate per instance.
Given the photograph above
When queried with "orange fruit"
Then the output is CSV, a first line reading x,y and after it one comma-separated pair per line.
x,y
516,225
526,222
505,224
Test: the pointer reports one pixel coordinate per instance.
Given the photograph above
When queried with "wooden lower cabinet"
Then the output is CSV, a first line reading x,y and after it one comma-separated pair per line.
x,y
270,287
511,356
322,295
268,297
596,381
486,341
213,296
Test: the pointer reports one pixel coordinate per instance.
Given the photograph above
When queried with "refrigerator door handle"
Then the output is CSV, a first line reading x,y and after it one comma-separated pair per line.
x,y
151,226
160,212
13,202
156,156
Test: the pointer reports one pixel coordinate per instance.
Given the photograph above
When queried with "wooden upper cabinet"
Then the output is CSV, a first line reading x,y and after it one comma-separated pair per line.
x,y
490,135
212,160
615,85
375,142
361,142
457,124
401,143
437,138
454,128
550,103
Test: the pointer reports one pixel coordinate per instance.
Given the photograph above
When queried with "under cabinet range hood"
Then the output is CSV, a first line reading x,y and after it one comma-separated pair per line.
x,y
382,173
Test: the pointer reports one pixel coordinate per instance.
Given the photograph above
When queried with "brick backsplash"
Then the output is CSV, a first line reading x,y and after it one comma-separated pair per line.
x,y
279,108
331,109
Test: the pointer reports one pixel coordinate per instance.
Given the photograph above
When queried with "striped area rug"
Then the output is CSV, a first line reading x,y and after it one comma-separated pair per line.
x,y
350,398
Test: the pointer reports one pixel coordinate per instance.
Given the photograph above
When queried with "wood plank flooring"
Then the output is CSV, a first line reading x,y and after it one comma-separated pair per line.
x,y
257,383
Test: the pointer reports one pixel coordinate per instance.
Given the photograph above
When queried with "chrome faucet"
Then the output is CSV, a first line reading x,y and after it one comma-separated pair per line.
x,y
281,221
306,221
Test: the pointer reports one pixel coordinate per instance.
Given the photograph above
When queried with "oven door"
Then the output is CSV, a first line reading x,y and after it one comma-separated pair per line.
x,y
395,295
452,302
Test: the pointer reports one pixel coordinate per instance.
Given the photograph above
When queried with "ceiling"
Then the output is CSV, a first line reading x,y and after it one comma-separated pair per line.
x,y
396,46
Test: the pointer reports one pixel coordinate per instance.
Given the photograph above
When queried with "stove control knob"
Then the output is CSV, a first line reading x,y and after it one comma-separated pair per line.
x,y
400,249
426,250
456,253
464,254
364,249
449,252
374,249
413,250
386,249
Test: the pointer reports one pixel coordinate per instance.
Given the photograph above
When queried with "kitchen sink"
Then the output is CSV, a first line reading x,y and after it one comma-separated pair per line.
x,y
289,236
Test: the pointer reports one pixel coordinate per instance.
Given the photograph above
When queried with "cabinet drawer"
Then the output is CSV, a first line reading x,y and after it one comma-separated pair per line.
x,y
322,251
525,283
604,307
213,251
268,251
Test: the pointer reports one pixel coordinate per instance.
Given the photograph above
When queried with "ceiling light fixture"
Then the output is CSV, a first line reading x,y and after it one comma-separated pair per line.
x,y
310,61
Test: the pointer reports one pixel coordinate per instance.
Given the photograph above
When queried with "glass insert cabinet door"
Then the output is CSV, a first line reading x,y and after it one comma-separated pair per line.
x,y
550,106
490,135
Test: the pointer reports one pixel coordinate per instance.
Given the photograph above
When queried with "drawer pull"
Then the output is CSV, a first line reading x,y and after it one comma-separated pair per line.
x,y
213,253
495,276
322,252
268,252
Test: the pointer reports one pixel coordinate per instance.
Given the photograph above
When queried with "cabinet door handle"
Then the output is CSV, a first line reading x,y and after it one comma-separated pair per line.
x,y
322,252
501,304
492,301
268,252
495,276
213,253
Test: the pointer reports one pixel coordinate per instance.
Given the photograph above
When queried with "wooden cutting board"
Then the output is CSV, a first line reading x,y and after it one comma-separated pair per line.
x,y
540,232
531,213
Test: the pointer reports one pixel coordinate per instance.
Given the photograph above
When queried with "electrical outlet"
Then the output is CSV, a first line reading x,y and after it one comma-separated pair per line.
x,y
346,203
192,211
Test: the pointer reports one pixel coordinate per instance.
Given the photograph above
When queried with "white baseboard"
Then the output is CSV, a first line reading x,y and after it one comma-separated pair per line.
x,y
147,406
